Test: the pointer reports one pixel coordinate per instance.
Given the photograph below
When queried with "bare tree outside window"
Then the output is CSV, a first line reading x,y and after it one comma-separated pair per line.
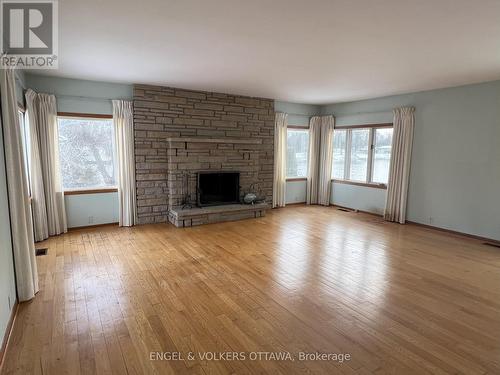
x,y
86,153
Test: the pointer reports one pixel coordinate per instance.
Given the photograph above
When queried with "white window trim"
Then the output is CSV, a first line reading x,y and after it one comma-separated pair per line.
x,y
347,160
25,144
90,189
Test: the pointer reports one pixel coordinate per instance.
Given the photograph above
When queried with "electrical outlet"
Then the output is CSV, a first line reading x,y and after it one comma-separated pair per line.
x,y
431,220
91,219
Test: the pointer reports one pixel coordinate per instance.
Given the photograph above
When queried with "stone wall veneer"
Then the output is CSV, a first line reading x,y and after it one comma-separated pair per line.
x,y
182,131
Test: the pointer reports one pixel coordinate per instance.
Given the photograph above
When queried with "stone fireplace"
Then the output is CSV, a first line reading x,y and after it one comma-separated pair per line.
x,y
190,155
181,132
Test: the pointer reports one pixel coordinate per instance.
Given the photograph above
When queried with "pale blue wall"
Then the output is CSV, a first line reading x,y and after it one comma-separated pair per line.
x,y
298,114
295,192
7,277
455,173
81,96
7,281
91,209
361,198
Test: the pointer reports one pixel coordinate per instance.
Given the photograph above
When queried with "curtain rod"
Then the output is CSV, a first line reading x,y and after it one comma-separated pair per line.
x,y
300,114
88,98
340,114
296,114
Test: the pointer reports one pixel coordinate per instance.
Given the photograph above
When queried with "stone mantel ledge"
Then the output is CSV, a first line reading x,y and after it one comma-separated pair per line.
x,y
254,141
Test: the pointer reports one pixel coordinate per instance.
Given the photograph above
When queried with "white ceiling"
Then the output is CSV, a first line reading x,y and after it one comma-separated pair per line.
x,y
318,51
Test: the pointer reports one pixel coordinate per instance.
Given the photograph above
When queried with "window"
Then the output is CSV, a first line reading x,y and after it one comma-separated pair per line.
x,y
297,153
362,155
25,139
381,155
359,154
86,153
339,149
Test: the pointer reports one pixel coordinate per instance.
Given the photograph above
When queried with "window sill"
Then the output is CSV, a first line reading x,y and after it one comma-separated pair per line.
x,y
296,179
90,191
364,184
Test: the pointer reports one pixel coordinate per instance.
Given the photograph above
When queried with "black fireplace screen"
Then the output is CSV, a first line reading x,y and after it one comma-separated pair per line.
x,y
216,188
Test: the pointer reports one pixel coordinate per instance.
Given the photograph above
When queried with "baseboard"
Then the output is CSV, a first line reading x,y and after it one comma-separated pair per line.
x,y
93,226
449,231
334,206
356,210
8,332
457,233
288,205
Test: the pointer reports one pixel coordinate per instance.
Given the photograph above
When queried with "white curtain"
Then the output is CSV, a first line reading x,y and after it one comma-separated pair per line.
x,y
314,160
399,171
17,185
40,226
124,143
279,180
51,170
325,160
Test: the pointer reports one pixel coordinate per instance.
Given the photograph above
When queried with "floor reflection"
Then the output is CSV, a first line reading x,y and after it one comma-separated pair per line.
x,y
334,264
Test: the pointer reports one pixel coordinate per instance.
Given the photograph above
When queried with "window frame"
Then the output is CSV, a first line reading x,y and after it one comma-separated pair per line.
x,y
25,145
371,149
87,116
298,127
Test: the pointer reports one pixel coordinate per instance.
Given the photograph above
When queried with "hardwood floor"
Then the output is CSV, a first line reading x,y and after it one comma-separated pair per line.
x,y
397,299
